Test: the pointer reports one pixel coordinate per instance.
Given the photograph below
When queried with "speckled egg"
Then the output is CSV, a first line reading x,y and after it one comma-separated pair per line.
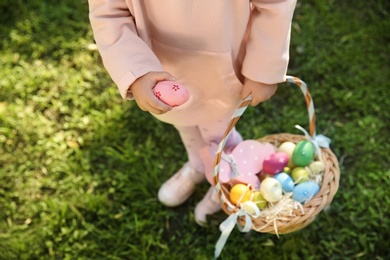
x,y
275,163
303,153
305,191
286,181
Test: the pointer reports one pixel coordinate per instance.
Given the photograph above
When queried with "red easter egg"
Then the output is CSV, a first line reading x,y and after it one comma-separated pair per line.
x,y
275,163
171,93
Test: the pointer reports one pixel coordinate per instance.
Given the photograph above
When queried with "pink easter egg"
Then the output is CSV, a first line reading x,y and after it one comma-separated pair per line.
x,y
171,93
275,163
248,157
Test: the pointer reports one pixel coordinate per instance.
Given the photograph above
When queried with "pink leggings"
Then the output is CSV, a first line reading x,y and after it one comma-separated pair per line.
x,y
198,136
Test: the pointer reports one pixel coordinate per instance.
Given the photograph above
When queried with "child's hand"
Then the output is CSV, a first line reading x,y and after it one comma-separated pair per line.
x,y
142,90
260,91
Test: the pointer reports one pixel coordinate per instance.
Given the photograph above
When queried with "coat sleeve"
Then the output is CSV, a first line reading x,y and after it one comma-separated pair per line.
x,y
267,50
125,55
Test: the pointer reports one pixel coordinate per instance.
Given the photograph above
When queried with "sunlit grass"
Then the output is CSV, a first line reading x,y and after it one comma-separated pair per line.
x,y
80,167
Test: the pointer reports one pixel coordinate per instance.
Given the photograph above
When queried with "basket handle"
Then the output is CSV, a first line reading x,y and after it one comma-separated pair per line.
x,y
233,121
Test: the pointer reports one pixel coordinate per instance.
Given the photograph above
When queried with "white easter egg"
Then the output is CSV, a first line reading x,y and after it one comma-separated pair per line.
x,y
288,148
251,208
317,167
271,189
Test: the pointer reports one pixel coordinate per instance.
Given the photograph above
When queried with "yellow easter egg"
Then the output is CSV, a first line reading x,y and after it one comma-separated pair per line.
x,y
287,170
317,167
240,193
259,200
300,174
288,148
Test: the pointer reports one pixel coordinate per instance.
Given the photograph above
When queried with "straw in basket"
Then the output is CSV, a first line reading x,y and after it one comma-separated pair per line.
x,y
296,219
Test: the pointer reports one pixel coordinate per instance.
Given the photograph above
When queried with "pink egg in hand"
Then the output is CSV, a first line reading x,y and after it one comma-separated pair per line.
x,y
275,163
171,93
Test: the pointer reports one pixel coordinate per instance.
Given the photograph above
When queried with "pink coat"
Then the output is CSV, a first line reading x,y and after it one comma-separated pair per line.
x,y
209,46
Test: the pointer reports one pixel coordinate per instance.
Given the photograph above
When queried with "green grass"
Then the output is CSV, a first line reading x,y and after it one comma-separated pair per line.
x,y
80,167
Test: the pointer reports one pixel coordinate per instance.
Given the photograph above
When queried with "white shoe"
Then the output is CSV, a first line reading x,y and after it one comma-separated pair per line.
x,y
207,206
177,189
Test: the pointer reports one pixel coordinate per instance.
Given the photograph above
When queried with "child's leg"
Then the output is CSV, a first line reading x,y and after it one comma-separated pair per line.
x,y
210,203
196,137
192,140
181,185
212,136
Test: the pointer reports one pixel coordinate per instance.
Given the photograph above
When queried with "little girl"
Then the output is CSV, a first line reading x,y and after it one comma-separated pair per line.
x,y
222,51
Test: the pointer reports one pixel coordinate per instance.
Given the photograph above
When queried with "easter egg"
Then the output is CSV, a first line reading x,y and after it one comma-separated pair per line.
x,y
316,167
259,200
300,174
275,163
241,164
248,157
286,181
271,190
303,153
287,169
288,148
251,208
240,193
171,93
305,191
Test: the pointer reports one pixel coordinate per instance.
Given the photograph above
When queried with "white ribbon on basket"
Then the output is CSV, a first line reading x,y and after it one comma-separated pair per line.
x,y
226,227
318,140
228,158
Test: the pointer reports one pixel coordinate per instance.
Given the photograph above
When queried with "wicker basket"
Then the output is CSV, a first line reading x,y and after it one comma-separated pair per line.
x,y
300,217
